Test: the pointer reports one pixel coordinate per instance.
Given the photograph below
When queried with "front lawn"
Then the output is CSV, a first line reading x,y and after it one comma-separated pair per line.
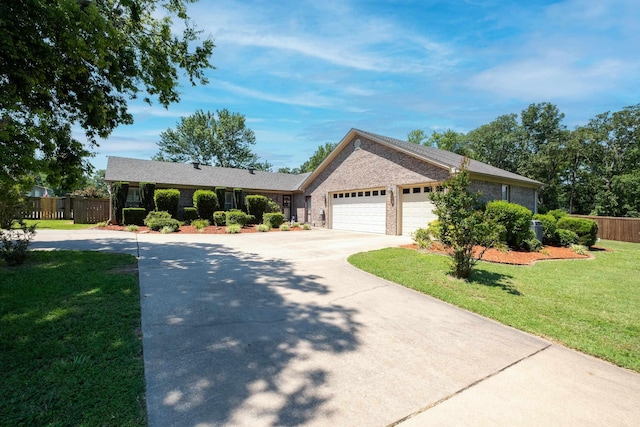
x,y
70,348
56,224
590,305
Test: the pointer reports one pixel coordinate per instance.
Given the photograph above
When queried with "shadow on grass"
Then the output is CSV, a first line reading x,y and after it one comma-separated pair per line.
x,y
496,280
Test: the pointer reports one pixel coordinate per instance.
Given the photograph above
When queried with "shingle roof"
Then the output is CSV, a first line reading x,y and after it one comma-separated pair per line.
x,y
169,173
447,158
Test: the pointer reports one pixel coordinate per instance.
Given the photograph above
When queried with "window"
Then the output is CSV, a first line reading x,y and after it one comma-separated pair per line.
x,y
367,193
375,192
506,196
346,195
341,195
406,190
439,188
335,196
133,196
416,190
353,194
359,193
383,192
428,189
228,200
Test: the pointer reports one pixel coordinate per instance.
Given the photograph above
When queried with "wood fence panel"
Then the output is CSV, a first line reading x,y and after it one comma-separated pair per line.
x,y
90,211
614,228
44,208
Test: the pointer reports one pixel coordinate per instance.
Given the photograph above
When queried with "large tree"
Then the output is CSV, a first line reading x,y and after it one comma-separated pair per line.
x,y
79,62
218,140
499,143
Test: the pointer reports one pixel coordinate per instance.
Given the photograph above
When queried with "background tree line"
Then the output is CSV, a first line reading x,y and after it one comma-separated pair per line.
x,y
592,169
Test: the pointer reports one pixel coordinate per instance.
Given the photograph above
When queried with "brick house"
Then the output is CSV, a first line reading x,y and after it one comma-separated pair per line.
x,y
369,183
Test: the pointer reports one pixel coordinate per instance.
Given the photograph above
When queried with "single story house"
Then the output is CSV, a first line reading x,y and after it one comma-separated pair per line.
x,y
368,183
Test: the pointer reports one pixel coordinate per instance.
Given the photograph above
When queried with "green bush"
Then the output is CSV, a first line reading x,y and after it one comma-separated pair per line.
x,y
234,228
120,191
133,216
133,228
256,206
263,227
272,206
285,227
557,214
15,243
531,244
236,217
168,201
273,219
251,219
422,237
306,227
205,202
200,224
157,220
515,218
586,229
189,215
548,221
220,218
147,192
566,238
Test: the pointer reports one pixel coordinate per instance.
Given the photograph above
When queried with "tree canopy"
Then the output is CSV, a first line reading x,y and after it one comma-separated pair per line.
x,y
314,161
79,62
592,169
220,139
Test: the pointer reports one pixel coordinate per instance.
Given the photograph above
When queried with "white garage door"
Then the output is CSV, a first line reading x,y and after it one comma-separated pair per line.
x,y
417,210
363,210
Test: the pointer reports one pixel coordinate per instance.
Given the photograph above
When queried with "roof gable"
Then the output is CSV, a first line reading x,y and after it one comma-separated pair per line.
x,y
441,158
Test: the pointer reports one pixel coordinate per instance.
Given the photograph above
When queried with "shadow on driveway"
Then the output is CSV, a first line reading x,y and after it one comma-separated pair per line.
x,y
228,337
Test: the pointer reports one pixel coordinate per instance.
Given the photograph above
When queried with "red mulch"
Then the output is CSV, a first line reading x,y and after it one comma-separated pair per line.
x,y
515,257
187,229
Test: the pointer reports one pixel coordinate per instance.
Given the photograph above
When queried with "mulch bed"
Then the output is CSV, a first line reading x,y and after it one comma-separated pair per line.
x,y
515,257
188,229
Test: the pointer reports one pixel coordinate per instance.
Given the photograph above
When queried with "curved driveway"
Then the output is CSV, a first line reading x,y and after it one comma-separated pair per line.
x,y
271,329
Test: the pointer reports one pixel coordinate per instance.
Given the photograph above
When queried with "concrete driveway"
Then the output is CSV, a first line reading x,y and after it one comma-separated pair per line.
x,y
278,329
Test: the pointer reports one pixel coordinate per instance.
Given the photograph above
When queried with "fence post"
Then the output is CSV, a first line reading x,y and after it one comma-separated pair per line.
x,y
67,206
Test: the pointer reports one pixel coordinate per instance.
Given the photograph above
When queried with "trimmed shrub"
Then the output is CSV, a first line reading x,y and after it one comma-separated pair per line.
x,y
236,217
557,214
220,218
205,202
566,238
157,220
285,227
168,201
147,191
548,221
189,215
132,228
515,218
234,228
120,191
256,206
220,195
422,237
306,227
251,219
586,229
133,216
272,206
273,219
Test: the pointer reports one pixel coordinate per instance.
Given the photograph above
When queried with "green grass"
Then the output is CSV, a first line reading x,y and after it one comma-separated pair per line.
x,y
590,305
57,224
70,352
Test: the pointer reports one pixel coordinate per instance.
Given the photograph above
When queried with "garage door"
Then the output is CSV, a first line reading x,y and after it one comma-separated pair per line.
x,y
363,210
417,210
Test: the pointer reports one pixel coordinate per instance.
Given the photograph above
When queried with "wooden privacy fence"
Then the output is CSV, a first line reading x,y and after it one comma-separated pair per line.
x,y
614,228
90,211
80,209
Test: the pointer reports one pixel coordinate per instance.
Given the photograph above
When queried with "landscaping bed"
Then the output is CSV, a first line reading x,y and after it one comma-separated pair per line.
x,y
188,229
513,257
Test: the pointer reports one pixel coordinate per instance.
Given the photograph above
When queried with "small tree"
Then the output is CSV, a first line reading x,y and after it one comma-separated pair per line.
x,y
256,206
462,225
119,191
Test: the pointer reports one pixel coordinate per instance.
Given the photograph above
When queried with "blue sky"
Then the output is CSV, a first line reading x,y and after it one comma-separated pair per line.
x,y
305,72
